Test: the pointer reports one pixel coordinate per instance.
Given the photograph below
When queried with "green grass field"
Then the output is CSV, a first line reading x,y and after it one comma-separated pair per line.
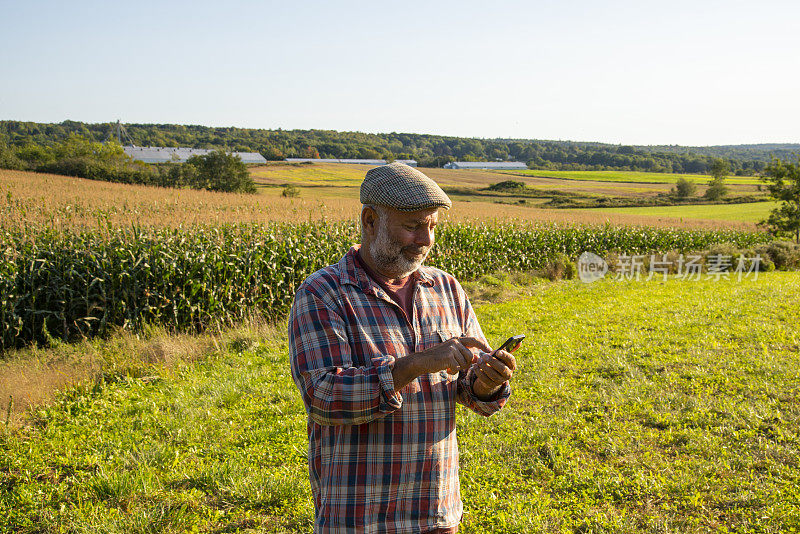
x,y
338,181
632,176
313,174
637,407
751,212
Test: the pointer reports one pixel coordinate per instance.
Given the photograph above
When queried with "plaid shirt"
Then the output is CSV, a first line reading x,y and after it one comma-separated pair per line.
x,y
380,460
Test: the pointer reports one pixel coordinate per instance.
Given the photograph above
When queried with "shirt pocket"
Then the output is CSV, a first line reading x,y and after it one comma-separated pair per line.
x,y
438,335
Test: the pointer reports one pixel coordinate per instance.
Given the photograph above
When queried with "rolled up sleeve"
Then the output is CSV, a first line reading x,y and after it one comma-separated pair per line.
x,y
465,394
334,391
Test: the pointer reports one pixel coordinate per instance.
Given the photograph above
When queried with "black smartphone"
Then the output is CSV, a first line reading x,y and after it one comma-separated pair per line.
x,y
512,343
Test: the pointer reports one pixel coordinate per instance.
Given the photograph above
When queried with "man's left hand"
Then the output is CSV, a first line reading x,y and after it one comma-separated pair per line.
x,y
492,371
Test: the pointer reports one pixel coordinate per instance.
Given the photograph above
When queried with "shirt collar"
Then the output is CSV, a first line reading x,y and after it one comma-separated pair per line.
x,y
351,273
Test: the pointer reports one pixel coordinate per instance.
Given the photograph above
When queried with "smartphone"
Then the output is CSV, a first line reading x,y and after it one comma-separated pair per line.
x,y
512,343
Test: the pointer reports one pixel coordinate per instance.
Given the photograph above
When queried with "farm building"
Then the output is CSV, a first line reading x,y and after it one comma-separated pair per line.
x,y
409,162
490,165
159,154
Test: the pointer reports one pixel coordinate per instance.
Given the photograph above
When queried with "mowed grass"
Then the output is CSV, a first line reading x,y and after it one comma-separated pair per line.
x,y
751,212
313,174
343,174
345,177
637,407
633,177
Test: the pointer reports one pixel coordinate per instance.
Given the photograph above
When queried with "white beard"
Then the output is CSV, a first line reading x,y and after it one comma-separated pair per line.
x,y
388,255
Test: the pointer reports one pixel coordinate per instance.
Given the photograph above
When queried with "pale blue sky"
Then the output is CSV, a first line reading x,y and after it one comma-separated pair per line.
x,y
633,72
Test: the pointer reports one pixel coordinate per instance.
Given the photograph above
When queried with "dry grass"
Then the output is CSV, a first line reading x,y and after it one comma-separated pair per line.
x,y
30,381
32,376
64,202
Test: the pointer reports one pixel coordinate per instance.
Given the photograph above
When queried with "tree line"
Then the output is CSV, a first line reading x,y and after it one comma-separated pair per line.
x,y
77,156
428,150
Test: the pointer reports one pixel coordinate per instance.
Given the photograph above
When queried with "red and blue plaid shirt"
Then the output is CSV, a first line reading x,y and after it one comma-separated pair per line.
x,y
381,460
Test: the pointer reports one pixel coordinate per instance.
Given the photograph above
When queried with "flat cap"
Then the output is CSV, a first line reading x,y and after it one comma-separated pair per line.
x,y
404,188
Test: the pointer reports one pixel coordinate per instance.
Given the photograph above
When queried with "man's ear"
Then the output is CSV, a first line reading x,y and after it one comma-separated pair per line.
x,y
368,219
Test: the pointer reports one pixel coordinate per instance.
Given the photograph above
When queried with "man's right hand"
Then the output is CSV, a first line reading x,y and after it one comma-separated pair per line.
x,y
453,354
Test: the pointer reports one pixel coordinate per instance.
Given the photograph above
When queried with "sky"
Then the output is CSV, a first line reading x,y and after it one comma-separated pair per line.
x,y
631,72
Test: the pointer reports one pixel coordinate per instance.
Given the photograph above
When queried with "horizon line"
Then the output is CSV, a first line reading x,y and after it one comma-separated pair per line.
x,y
496,138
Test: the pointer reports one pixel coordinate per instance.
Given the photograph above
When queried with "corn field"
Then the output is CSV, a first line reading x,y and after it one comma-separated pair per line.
x,y
70,285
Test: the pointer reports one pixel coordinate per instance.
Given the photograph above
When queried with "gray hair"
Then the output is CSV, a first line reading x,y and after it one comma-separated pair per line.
x,y
382,212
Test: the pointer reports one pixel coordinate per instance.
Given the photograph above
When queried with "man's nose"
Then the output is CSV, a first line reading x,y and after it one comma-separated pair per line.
x,y
425,237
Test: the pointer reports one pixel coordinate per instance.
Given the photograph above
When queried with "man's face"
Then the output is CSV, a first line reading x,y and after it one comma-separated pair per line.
x,y
403,240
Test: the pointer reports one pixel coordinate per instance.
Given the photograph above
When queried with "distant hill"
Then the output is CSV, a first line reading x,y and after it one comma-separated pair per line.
x,y
428,150
762,152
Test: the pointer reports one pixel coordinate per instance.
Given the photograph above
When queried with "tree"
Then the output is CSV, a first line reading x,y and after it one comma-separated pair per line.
x,y
8,160
35,155
220,171
784,185
684,188
716,186
720,168
717,189
177,175
272,153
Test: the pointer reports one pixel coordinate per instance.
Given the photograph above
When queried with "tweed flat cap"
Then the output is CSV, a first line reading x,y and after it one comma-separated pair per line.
x,y
402,187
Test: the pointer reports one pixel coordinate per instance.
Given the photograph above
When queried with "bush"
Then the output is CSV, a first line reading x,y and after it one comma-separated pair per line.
x,y
784,185
123,171
560,268
220,171
729,250
81,158
717,190
684,188
725,256
784,254
290,191
35,155
78,166
508,185
177,175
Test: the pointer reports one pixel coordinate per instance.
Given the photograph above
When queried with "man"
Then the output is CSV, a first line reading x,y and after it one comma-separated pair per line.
x,y
381,352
